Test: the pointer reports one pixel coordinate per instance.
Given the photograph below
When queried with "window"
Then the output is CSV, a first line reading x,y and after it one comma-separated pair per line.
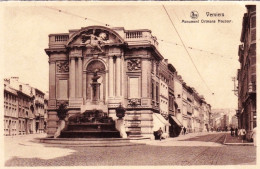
x,y
157,71
63,89
134,87
157,92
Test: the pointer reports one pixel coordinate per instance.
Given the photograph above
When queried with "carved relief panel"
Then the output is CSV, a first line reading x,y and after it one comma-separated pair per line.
x,y
62,66
134,64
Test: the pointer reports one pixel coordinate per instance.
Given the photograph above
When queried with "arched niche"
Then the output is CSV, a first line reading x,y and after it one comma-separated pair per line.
x,y
100,69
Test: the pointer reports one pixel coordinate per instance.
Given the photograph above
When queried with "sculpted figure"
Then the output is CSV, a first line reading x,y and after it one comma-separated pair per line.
x,y
95,77
95,41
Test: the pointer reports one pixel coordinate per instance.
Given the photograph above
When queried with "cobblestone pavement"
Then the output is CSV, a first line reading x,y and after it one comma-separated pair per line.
x,y
166,152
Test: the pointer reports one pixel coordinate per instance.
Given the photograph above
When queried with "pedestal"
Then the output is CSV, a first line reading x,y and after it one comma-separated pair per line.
x,y
96,91
120,126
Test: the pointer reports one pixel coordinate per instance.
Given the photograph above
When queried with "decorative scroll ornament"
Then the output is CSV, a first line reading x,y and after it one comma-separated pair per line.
x,y
134,64
63,66
134,102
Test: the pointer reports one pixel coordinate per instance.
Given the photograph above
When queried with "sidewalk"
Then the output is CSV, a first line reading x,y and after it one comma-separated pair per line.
x,y
190,135
236,141
181,140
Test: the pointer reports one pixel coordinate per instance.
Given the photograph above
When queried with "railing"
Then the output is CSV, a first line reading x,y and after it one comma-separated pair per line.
x,y
61,38
140,37
58,40
130,35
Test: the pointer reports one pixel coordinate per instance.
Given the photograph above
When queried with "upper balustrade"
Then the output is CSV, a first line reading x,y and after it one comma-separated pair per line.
x,y
140,37
132,37
58,40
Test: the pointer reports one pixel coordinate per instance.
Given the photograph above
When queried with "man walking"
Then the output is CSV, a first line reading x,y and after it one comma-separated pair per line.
x,y
184,130
236,132
232,131
160,132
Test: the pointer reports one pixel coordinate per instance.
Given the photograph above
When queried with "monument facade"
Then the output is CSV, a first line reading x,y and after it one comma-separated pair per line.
x,y
101,68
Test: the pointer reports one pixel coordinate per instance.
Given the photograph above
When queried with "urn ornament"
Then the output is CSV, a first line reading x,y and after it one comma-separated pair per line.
x,y
120,111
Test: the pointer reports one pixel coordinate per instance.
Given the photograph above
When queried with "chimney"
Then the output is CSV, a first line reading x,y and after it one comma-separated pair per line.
x,y
15,78
20,87
7,81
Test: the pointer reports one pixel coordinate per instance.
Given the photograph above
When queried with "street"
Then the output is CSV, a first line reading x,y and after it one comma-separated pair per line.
x,y
191,149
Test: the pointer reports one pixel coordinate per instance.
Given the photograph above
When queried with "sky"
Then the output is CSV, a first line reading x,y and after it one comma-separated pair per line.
x,y
26,27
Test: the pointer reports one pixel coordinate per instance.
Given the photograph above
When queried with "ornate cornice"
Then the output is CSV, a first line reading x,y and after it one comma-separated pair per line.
x,y
55,50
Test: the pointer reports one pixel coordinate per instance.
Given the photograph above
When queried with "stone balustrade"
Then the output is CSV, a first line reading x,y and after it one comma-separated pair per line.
x,y
140,37
58,40
133,37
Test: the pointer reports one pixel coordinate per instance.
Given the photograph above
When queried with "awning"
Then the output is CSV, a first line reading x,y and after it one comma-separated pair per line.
x,y
176,120
162,119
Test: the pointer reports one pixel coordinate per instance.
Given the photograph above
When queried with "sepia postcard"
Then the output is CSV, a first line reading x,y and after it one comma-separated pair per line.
x,y
129,84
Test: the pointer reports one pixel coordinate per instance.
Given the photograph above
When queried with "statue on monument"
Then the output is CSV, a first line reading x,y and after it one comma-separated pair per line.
x,y
95,85
95,41
96,76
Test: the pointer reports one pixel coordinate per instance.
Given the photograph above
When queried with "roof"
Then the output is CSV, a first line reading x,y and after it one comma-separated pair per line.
x,y
10,90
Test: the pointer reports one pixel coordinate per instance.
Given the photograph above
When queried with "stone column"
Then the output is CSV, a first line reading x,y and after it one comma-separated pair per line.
x,y
145,68
52,83
72,78
106,88
80,77
84,85
111,77
118,76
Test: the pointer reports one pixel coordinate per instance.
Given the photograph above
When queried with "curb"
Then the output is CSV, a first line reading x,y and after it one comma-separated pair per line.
x,y
237,144
90,142
92,145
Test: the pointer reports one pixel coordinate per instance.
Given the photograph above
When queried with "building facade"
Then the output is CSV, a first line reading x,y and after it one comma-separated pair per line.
x,y
10,110
20,114
178,92
246,75
38,107
102,68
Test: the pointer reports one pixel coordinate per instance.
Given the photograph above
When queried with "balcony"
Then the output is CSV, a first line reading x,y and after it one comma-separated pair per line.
x,y
58,40
140,37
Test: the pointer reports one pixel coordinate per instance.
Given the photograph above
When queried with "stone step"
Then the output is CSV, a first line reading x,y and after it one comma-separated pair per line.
x,y
70,141
92,142
95,145
90,134
92,126
135,136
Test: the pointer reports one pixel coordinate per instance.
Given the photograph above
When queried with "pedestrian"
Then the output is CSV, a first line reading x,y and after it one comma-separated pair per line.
x,y
232,131
236,132
243,135
184,130
254,136
160,133
239,133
